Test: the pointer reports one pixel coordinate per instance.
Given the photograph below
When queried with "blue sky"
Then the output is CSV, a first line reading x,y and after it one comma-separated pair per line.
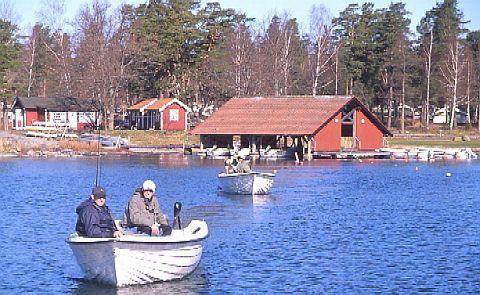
x,y
262,9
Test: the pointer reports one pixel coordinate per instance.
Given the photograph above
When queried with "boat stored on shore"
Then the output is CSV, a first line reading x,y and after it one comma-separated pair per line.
x,y
105,141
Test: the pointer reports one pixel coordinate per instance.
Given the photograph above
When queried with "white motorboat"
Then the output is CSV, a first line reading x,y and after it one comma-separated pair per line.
x,y
252,183
138,258
465,154
217,153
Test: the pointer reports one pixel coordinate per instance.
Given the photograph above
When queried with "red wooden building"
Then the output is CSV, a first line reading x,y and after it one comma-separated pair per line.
x,y
159,114
57,112
310,124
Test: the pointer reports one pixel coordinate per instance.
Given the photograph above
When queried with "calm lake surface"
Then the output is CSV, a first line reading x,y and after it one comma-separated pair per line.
x,y
328,226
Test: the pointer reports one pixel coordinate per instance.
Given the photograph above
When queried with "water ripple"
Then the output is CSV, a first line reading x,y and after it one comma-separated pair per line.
x,y
331,227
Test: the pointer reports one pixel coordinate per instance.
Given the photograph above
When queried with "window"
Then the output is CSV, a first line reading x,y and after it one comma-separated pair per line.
x,y
174,115
59,117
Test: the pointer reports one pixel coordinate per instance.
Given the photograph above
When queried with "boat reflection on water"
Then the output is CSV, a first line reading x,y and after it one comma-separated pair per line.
x,y
256,200
196,283
259,200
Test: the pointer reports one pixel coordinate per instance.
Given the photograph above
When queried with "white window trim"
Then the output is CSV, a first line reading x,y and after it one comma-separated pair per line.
x,y
174,115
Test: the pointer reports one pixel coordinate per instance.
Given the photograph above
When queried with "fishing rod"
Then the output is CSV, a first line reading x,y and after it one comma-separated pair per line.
x,y
97,125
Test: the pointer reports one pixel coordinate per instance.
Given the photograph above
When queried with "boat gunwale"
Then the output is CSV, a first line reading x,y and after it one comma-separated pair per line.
x,y
85,240
266,174
180,238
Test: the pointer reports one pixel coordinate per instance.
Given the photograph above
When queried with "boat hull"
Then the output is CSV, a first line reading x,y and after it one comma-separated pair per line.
x,y
140,259
253,183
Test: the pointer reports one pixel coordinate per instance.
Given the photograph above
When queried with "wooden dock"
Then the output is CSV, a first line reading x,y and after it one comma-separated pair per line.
x,y
352,155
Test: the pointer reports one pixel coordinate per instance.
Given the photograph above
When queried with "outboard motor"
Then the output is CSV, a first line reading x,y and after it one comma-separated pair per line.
x,y
176,214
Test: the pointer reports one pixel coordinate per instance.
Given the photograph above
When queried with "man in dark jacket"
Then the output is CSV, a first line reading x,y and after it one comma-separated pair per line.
x,y
94,217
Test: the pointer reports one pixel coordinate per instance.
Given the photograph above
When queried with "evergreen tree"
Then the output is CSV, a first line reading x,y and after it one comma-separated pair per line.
x,y
391,52
473,43
172,38
9,54
346,26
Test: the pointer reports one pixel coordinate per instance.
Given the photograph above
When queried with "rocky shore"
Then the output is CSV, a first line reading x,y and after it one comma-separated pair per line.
x,y
18,145
14,144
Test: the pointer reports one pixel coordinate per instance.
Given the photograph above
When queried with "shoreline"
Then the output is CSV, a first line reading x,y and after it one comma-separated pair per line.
x,y
16,145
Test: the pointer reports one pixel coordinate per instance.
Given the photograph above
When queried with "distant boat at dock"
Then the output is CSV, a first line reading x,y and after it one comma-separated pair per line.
x,y
425,154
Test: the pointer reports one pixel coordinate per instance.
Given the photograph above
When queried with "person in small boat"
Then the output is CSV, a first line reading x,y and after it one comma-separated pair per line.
x,y
229,168
243,165
95,220
143,212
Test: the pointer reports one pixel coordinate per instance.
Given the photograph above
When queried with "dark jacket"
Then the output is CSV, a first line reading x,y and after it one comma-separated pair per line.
x,y
94,221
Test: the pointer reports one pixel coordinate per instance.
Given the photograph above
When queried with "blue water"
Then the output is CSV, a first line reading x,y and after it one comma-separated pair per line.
x,y
331,227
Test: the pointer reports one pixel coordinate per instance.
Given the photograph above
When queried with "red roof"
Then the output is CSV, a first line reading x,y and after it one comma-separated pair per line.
x,y
157,104
141,104
292,115
160,103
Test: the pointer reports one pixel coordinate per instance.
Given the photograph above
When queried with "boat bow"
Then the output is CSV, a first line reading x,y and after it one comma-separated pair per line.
x,y
252,183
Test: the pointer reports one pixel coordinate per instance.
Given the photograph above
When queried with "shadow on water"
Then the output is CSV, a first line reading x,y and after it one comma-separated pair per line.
x,y
196,283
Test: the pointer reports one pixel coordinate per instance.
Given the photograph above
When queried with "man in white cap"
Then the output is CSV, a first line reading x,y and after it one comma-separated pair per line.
x,y
143,212
243,165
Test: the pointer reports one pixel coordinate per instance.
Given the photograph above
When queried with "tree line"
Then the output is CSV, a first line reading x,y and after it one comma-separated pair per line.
x,y
205,55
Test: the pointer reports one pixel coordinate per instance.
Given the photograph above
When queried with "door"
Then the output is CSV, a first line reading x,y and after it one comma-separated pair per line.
x,y
348,130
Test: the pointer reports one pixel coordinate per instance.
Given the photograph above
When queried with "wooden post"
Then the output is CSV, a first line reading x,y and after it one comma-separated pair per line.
x,y
309,150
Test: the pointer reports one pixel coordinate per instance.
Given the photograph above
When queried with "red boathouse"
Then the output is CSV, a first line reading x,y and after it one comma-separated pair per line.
x,y
310,124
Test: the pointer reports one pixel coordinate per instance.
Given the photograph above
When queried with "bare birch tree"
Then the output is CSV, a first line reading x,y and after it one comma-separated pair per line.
x,y
30,52
52,13
8,13
469,74
242,51
426,29
285,60
326,52
96,64
276,51
450,70
428,68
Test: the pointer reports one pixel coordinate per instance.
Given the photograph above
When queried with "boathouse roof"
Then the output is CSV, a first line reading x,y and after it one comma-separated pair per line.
x,y
287,115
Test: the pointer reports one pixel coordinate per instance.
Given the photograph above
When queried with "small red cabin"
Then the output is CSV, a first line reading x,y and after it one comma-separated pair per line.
x,y
159,114
58,112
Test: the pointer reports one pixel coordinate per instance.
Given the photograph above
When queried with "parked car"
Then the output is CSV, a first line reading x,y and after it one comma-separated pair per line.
x,y
122,125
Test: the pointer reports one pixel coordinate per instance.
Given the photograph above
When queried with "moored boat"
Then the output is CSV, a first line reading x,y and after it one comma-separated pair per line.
x,y
140,259
217,153
465,154
431,154
252,183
